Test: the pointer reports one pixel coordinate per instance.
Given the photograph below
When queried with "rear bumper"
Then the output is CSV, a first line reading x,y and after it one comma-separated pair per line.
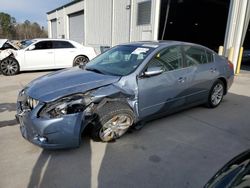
x,y
57,133
230,81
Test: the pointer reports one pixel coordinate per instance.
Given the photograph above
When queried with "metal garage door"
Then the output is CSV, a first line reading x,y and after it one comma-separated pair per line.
x,y
76,27
53,28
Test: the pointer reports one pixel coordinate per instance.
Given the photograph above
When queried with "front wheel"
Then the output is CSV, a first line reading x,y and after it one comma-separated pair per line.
x,y
216,94
9,66
112,121
80,60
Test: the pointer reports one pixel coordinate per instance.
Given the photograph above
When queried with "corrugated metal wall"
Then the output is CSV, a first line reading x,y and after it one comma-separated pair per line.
x,y
110,22
98,16
121,21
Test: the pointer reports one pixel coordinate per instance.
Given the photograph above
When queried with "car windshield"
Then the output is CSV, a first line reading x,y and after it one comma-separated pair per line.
x,y
120,60
26,43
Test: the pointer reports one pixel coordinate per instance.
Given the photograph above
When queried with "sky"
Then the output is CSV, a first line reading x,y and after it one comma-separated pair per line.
x,y
32,10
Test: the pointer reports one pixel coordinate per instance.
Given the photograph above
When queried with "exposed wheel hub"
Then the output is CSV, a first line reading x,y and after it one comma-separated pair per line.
x,y
9,67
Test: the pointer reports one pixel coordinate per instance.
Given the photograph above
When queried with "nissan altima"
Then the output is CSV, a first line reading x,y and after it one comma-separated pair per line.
x,y
126,85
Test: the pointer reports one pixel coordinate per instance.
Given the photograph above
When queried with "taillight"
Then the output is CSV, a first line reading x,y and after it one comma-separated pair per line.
x,y
231,65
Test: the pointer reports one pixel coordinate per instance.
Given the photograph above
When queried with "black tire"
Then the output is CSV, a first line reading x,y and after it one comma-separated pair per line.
x,y
9,66
216,94
106,114
80,60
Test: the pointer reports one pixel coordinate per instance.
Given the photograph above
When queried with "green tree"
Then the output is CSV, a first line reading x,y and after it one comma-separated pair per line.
x,y
7,24
10,29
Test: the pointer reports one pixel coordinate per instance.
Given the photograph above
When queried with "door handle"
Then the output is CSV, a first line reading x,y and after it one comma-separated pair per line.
x,y
181,79
212,70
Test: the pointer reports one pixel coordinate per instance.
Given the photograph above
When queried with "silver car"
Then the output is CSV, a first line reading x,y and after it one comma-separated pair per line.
x,y
125,86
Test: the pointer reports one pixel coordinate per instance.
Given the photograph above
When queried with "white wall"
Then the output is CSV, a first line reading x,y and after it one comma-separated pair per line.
x,y
98,22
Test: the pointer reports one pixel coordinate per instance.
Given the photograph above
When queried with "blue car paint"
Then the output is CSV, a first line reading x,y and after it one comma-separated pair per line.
x,y
61,132
163,93
69,81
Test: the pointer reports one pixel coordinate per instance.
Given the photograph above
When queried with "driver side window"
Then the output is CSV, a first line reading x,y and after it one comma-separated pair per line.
x,y
169,59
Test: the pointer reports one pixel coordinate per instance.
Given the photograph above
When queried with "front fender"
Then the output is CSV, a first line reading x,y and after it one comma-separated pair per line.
x,y
6,53
114,93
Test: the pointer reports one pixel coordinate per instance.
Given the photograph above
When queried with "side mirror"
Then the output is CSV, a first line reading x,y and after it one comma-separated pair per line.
x,y
153,71
31,47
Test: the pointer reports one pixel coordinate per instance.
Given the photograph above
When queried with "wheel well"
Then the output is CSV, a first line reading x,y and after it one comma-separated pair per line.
x,y
12,57
103,103
80,56
225,84
106,101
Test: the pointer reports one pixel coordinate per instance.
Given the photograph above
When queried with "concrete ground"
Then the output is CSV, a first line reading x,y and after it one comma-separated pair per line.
x,y
181,150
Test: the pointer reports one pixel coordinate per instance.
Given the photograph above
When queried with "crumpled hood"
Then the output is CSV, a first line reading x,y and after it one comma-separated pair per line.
x,y
2,42
66,82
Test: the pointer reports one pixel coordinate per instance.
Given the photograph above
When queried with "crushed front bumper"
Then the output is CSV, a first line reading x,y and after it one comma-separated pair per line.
x,y
56,133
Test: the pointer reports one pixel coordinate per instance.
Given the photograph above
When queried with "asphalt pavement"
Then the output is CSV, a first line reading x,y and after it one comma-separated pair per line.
x,y
181,150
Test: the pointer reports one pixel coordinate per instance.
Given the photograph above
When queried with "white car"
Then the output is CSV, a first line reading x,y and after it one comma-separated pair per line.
x,y
45,54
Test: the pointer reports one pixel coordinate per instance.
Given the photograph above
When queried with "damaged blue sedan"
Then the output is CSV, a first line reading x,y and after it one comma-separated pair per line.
x,y
126,85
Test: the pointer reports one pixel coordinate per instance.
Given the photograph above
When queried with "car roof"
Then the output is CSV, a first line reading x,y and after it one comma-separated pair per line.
x,y
2,41
45,39
161,43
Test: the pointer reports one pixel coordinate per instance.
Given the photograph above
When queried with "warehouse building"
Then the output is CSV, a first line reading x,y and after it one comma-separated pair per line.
x,y
105,23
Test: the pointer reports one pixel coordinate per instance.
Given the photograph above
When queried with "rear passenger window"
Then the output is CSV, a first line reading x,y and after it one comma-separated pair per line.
x,y
62,44
210,57
195,56
170,58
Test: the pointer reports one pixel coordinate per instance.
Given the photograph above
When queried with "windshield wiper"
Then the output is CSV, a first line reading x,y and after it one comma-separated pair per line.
x,y
94,70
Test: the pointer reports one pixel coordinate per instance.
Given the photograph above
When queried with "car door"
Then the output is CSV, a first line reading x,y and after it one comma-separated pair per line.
x,y
41,56
165,92
65,53
201,72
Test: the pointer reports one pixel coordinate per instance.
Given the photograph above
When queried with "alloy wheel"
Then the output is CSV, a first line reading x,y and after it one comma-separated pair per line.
x,y
9,66
81,60
115,127
217,94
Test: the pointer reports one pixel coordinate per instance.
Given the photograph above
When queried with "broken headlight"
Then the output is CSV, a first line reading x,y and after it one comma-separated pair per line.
x,y
67,105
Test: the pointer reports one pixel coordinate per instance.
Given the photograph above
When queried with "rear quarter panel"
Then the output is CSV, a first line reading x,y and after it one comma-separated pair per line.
x,y
224,70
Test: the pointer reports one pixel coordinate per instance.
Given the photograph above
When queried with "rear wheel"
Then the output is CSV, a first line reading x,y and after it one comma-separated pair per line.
x,y
9,66
216,94
80,60
112,121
